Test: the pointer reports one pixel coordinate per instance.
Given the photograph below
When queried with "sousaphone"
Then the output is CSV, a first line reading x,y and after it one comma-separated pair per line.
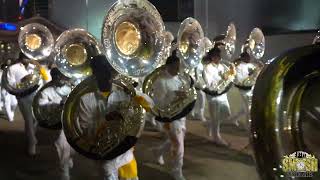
x,y
134,45
133,36
36,42
180,106
48,111
226,44
285,116
253,47
111,134
72,53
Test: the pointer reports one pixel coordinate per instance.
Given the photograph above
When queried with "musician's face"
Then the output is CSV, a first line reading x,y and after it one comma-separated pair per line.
x,y
215,59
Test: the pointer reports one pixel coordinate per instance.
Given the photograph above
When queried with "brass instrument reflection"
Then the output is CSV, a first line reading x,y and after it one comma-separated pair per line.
x,y
76,54
128,38
33,41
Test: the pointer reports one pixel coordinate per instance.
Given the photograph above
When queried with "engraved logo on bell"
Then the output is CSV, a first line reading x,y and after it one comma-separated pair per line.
x,y
128,38
33,42
76,54
300,164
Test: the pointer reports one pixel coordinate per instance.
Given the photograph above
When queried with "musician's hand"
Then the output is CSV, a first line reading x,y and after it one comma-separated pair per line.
x,y
232,70
226,76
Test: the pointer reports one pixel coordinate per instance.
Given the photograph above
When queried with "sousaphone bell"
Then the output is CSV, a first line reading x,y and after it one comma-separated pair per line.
x,y
73,50
284,113
190,43
133,36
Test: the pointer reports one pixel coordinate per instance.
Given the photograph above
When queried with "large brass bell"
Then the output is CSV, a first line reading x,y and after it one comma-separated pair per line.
x,y
133,37
190,42
73,51
284,115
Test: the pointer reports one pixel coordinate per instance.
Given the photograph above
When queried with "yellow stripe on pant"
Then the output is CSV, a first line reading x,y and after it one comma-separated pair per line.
x,y
129,171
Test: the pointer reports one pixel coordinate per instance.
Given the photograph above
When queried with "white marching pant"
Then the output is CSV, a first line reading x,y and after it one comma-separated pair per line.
x,y
108,169
10,104
149,117
199,108
219,109
65,156
25,107
245,110
174,143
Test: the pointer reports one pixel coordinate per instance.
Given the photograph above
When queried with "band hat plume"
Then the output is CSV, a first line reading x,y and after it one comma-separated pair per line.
x,y
103,72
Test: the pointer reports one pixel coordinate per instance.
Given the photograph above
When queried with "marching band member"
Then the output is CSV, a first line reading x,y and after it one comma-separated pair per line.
x,y
15,73
245,71
199,108
166,89
53,96
214,74
93,107
9,102
149,117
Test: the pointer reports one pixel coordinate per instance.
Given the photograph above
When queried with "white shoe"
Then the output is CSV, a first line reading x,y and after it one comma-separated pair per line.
x,y
177,175
160,160
158,156
64,177
11,116
71,163
220,141
32,150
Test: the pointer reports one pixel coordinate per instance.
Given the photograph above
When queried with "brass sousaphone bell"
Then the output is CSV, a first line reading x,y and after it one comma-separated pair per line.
x,y
72,52
190,42
254,47
285,116
134,37
36,42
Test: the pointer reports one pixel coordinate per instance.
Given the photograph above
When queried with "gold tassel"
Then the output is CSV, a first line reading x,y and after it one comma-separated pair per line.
x,y
140,100
44,74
